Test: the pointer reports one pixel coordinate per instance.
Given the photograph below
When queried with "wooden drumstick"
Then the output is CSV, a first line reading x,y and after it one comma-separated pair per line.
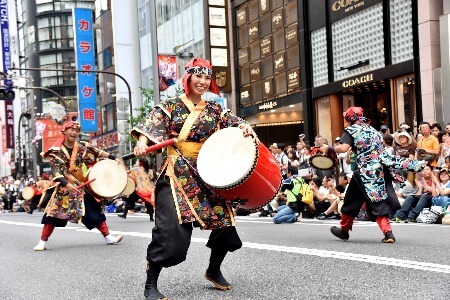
x,y
153,148
85,183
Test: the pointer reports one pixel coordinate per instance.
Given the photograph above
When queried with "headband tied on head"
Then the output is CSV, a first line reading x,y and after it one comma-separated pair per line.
x,y
71,124
199,66
355,114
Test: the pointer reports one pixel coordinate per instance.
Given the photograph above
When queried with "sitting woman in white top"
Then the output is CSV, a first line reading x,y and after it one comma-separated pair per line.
x,y
442,182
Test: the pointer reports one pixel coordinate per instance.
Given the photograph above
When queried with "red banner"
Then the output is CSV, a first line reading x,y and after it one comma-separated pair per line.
x,y
106,140
168,68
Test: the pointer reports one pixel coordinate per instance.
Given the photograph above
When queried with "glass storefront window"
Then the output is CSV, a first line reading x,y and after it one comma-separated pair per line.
x,y
401,30
358,38
324,115
319,57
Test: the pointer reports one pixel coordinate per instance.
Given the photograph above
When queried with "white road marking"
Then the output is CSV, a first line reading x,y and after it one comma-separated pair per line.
x,y
379,260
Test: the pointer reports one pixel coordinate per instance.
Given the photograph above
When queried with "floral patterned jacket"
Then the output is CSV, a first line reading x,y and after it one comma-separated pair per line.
x,y
165,121
63,204
370,159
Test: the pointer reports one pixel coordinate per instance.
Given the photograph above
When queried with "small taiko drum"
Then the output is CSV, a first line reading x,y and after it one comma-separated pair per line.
x,y
129,188
27,193
110,178
322,161
238,169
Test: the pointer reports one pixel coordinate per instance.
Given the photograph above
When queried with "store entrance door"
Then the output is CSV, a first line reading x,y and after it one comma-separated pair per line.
x,y
376,104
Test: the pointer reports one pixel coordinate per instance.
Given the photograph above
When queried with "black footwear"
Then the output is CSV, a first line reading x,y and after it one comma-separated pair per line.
x,y
122,216
334,217
338,232
388,237
219,281
410,220
152,293
151,284
321,217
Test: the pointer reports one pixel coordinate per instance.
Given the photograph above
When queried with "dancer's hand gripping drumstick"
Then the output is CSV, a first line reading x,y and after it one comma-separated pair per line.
x,y
141,149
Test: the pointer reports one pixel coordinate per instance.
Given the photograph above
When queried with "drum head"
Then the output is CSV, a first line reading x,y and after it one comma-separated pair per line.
x,y
226,158
110,178
322,162
129,189
27,193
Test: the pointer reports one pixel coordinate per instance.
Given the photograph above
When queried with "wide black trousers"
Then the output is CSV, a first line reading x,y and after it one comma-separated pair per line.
x,y
170,240
356,196
93,217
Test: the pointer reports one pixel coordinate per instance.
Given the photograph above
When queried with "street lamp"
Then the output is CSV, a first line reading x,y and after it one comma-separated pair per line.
x,y
13,68
60,98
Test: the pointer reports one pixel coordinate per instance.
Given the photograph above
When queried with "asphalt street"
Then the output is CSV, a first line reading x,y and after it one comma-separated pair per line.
x,y
286,261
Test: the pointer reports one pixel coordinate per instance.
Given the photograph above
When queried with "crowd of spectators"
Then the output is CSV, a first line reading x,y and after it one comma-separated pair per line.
x,y
11,198
417,192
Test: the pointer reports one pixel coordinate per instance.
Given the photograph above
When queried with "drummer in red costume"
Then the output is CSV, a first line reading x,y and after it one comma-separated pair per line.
x,y
69,160
182,202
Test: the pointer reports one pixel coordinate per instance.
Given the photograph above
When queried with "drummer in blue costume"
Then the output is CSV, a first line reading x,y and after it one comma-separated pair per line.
x,y
181,201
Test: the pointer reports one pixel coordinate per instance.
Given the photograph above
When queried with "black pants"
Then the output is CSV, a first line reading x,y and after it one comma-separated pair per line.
x,y
130,202
171,241
93,216
356,196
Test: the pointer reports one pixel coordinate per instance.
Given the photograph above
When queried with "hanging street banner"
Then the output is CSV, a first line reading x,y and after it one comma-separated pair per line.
x,y
85,60
6,64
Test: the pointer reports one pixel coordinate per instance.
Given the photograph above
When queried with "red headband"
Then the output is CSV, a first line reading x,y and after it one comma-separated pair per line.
x,y
199,62
71,124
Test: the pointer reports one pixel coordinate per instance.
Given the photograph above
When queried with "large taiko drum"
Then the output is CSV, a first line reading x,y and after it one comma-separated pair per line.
x,y
238,169
110,178
27,193
323,161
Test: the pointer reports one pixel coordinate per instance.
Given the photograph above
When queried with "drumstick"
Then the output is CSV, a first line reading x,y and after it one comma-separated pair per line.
x,y
84,184
153,148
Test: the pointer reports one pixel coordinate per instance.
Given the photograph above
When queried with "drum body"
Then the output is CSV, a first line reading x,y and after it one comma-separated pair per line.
x,y
238,169
129,188
322,161
27,193
110,178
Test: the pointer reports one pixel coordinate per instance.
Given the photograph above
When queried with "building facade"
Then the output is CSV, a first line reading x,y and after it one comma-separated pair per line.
x,y
382,55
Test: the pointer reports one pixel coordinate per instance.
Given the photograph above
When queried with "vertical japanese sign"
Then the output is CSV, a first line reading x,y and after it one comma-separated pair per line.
x,y
85,60
6,64
9,113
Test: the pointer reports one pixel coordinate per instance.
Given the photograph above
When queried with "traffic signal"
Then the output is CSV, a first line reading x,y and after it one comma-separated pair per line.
x,y
7,94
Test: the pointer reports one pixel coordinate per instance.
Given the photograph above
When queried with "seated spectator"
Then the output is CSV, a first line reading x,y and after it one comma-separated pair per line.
x,y
442,182
405,191
333,211
292,211
323,194
444,147
388,142
413,204
435,128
